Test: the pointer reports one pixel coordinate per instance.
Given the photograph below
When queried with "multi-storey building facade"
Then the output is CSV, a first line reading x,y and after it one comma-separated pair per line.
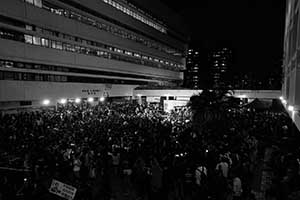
x,y
197,72
191,76
220,61
291,61
53,49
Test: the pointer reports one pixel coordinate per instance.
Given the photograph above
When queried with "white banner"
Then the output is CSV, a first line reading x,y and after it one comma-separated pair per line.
x,y
171,104
153,99
62,190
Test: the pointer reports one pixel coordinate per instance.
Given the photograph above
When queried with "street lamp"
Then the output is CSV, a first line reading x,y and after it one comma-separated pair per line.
x,y
46,102
77,100
63,101
281,98
291,108
102,99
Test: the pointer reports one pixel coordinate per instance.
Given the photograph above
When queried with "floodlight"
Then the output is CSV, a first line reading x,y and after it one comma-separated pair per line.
x,y
46,102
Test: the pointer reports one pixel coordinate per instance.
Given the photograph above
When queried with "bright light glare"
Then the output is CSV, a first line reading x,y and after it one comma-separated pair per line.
x,y
242,96
281,98
291,108
46,102
102,99
63,101
90,99
284,101
77,100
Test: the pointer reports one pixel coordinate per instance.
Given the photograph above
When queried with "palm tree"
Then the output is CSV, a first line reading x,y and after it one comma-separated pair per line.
x,y
211,106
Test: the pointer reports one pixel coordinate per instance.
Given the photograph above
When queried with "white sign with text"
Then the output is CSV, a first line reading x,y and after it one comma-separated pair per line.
x,y
62,190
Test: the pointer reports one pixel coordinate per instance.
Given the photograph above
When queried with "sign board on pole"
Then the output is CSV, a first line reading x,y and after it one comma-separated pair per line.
x,y
62,190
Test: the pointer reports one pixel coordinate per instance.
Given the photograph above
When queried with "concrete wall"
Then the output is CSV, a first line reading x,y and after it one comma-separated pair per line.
x,y
34,90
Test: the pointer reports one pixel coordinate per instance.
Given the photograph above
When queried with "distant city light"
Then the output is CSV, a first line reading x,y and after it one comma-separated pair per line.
x,y
291,108
77,100
90,99
63,101
46,102
102,99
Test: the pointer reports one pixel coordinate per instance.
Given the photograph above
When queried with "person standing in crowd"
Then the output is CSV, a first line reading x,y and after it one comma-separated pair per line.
x,y
140,178
126,173
156,179
201,182
77,166
223,166
188,184
116,162
237,188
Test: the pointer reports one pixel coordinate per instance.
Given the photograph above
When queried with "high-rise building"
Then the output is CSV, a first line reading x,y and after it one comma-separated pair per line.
x,y
191,76
220,62
196,74
53,49
291,61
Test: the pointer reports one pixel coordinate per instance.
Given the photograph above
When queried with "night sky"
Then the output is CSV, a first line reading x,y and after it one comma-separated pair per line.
x,y
253,28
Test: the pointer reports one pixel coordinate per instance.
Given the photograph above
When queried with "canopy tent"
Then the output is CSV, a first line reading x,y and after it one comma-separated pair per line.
x,y
259,104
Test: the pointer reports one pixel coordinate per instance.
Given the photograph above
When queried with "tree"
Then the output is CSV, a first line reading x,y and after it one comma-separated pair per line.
x,y
211,106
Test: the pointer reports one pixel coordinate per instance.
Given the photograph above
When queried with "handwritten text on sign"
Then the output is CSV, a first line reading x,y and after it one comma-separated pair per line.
x,y
62,190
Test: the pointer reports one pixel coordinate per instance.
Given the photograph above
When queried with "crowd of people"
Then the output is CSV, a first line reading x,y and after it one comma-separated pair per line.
x,y
153,154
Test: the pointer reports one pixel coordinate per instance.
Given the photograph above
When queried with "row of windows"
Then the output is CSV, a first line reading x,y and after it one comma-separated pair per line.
x,y
136,15
97,44
45,42
142,11
36,66
20,76
106,27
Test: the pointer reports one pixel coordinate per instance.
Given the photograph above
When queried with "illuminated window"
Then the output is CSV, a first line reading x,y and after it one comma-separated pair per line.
x,y
28,39
137,55
135,15
38,3
36,40
28,27
128,53
29,1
